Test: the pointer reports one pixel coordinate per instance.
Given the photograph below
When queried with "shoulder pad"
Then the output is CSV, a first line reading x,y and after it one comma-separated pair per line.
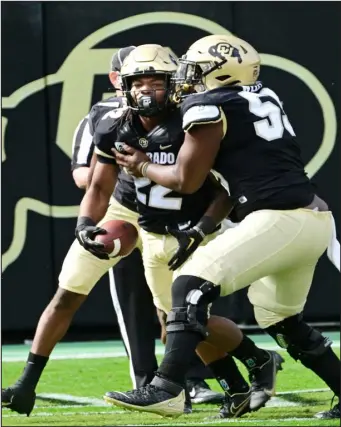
x,y
104,137
111,108
216,97
112,102
201,114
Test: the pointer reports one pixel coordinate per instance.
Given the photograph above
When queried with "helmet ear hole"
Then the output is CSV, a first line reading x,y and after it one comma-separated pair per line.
x,y
222,78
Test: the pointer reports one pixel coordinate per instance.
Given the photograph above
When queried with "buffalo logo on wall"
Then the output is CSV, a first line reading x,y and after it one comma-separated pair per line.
x,y
76,75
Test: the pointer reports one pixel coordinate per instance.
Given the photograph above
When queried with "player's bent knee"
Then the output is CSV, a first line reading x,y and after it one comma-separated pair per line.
x,y
191,297
183,285
266,318
65,300
81,271
301,341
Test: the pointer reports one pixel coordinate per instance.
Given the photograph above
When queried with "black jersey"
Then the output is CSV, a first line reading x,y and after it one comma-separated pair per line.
x,y
110,109
158,206
259,156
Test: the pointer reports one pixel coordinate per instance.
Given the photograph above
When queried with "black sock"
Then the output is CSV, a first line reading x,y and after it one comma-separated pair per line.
x,y
180,347
249,354
327,367
188,402
32,372
228,375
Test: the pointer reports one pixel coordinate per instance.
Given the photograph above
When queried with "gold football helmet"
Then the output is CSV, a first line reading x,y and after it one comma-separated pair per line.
x,y
216,61
145,60
149,59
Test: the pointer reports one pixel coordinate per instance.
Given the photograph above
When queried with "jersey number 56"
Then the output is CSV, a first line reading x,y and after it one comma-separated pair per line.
x,y
274,118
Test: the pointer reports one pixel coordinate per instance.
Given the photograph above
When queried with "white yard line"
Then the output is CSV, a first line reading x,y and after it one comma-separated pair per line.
x,y
72,355
53,414
91,401
275,402
309,390
181,420
236,420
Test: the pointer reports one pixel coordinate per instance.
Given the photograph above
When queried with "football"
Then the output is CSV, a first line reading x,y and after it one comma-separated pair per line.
x,y
120,239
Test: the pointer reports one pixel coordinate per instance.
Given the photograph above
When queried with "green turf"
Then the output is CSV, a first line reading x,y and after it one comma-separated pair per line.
x,y
91,378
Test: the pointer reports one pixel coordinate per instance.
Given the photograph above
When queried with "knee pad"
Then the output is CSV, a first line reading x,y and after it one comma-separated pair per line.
x,y
301,341
191,297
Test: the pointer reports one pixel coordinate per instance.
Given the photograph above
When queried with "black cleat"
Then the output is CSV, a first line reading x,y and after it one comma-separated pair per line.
x,y
332,414
200,392
235,405
149,399
18,399
263,380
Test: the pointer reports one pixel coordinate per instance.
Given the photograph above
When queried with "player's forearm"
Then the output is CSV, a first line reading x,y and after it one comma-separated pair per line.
x,y
95,203
220,207
175,177
217,211
80,177
167,176
96,200
91,170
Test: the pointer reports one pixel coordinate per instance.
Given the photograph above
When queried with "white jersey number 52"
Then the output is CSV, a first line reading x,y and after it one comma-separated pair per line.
x,y
274,119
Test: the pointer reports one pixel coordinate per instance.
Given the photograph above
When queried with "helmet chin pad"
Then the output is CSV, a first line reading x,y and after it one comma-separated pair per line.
x,y
147,106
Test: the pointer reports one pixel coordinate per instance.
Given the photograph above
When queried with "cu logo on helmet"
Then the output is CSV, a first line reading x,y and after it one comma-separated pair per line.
x,y
222,50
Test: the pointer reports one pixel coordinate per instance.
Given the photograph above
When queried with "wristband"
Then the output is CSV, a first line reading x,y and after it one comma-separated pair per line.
x,y
199,231
207,225
144,168
84,221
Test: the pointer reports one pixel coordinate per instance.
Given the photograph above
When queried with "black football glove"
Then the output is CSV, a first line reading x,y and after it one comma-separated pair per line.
x,y
189,240
86,231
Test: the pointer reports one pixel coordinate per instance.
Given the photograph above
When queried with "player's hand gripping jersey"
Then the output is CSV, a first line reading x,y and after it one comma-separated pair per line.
x,y
158,206
259,156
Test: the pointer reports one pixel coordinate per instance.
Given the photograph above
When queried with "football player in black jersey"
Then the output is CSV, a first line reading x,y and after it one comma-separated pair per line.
x,y
141,344
238,127
155,126
128,287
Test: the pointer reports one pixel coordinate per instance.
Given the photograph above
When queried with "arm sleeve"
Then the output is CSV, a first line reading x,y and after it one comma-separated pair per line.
x,y
82,145
103,145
